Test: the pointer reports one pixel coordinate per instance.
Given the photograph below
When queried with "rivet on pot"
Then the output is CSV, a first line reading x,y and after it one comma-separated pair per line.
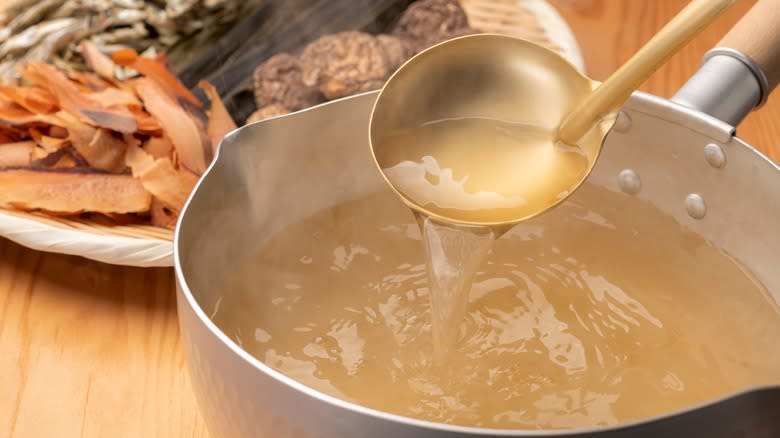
x,y
715,155
623,122
695,206
629,181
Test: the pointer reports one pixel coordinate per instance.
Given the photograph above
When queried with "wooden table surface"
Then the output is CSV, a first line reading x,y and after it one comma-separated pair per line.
x,y
88,349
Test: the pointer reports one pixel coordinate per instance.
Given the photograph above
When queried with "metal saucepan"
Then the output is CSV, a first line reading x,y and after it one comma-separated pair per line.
x,y
697,171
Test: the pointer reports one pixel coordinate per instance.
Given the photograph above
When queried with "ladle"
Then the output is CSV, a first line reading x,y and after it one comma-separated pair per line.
x,y
530,101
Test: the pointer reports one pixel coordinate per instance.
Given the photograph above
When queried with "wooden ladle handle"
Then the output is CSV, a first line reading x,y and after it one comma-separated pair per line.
x,y
757,36
691,20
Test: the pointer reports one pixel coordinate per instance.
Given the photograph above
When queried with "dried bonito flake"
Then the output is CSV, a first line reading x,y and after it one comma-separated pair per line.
x,y
81,142
220,122
63,192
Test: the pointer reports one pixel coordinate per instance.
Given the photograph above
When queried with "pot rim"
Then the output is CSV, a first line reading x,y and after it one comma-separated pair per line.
x,y
259,366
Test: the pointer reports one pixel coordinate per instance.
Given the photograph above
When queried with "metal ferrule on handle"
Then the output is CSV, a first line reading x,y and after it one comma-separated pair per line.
x,y
739,74
726,86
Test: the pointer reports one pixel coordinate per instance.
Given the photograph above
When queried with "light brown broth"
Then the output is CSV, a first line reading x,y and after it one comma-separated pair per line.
x,y
601,311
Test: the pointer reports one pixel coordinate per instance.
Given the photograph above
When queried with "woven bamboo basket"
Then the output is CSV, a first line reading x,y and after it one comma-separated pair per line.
x,y
144,245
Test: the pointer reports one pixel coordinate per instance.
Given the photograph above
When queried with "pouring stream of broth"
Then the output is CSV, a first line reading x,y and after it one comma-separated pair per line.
x,y
488,174
455,252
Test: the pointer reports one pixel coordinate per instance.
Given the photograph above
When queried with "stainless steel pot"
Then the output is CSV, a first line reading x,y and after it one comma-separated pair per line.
x,y
681,155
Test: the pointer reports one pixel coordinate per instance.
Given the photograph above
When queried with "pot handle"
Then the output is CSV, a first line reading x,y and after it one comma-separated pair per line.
x,y
757,37
738,75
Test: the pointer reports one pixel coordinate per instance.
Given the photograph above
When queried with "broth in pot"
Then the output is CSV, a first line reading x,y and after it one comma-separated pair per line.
x,y
601,311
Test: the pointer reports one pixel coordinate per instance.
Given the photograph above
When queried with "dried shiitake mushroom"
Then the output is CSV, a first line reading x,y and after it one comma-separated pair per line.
x,y
345,63
396,50
428,22
266,112
278,81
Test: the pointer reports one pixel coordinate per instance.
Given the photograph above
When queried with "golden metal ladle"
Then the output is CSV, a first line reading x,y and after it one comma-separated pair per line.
x,y
508,79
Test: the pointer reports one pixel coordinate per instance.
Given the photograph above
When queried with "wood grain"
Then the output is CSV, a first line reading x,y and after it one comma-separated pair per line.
x,y
88,349
757,37
91,350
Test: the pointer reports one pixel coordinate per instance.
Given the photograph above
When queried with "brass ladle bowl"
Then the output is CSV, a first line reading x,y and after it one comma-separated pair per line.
x,y
488,76
509,79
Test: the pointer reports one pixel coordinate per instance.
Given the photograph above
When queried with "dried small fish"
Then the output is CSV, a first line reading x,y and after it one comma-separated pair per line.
x,y
168,40
72,7
160,20
177,8
43,49
27,17
57,40
51,30
129,4
122,35
214,4
34,34
10,8
128,16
